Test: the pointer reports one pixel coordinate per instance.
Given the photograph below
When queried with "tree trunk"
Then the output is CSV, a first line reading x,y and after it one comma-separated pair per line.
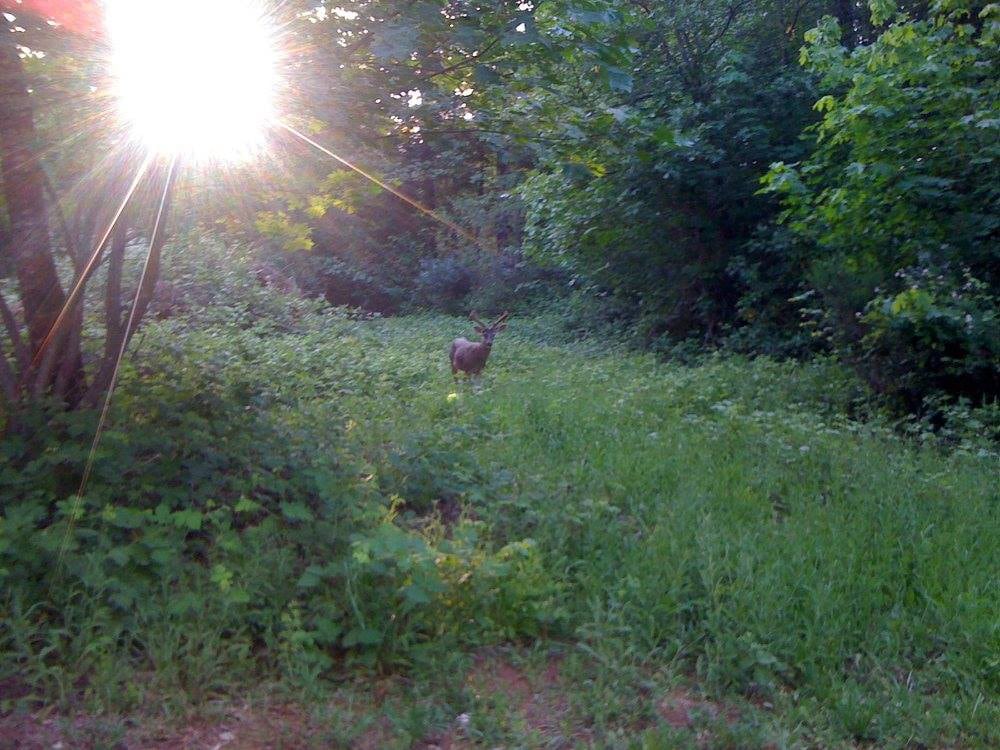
x,y
42,294
121,328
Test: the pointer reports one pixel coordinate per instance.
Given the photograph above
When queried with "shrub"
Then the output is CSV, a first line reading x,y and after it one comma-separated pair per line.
x,y
936,336
443,283
232,526
896,210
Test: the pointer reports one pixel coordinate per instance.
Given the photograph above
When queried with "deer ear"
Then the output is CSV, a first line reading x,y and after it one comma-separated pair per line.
x,y
478,329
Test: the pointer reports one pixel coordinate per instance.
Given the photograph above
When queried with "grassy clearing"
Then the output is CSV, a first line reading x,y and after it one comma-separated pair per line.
x,y
644,541
723,519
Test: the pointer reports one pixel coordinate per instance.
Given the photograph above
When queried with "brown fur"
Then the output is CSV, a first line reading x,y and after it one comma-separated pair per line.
x,y
470,356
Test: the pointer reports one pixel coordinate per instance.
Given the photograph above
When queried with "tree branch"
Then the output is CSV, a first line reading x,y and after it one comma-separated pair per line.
x,y
105,377
112,299
467,60
732,13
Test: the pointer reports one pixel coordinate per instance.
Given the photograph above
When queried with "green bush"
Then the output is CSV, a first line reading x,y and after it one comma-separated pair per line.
x,y
896,209
307,504
937,336
232,526
444,283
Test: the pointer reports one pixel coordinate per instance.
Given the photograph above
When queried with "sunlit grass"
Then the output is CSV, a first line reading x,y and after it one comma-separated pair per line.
x,y
726,520
723,526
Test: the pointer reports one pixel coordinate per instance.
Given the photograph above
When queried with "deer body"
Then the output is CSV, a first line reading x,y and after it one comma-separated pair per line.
x,y
470,356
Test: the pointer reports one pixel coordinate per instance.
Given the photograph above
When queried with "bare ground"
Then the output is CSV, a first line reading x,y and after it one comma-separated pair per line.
x,y
533,701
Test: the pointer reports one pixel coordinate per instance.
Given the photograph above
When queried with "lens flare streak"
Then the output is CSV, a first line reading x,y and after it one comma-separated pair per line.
x,y
383,184
88,269
155,240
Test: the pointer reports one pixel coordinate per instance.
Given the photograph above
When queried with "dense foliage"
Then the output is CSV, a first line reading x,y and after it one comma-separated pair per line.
x,y
884,246
783,178
896,212
289,492
742,434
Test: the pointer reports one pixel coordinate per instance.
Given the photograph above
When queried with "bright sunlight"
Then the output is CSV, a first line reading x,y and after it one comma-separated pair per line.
x,y
197,80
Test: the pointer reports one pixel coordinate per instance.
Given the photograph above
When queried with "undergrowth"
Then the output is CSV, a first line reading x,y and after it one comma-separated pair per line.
x,y
301,497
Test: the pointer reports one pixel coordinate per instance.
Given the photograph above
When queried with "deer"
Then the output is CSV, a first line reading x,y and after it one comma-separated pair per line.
x,y
470,356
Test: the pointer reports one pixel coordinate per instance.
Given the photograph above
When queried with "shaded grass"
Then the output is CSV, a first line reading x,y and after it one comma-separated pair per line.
x,y
723,524
726,519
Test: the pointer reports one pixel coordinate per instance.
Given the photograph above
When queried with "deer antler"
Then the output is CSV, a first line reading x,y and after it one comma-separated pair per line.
x,y
502,318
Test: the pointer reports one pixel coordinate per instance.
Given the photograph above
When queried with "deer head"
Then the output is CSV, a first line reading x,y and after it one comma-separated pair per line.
x,y
488,332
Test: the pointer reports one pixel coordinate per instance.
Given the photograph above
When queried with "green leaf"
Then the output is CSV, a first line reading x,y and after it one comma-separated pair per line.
x,y
120,555
238,596
125,518
825,104
312,576
187,519
362,637
881,10
297,512
327,631
222,577
246,505
665,135
415,595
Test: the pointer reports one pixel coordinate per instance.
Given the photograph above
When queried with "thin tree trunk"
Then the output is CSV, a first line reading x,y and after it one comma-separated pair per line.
x,y
69,239
501,219
69,382
118,337
8,386
113,301
24,191
158,240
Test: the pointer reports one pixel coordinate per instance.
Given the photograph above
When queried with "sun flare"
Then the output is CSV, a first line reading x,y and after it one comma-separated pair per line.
x,y
193,78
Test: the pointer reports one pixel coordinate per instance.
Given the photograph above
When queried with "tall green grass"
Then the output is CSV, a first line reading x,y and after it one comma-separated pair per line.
x,y
727,518
724,522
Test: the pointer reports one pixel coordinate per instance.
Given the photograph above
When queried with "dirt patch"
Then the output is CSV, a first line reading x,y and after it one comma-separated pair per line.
x,y
536,698
20,731
524,702
449,509
682,709
250,728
